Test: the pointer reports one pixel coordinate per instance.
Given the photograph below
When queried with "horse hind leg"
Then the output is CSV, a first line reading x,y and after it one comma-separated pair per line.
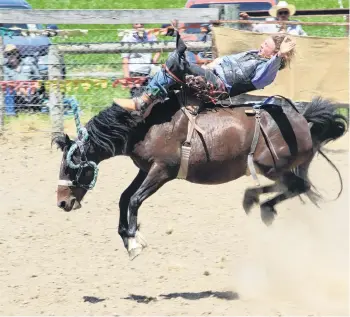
x,y
251,195
295,185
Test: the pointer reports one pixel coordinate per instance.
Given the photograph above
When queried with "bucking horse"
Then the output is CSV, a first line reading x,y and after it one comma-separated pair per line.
x,y
212,146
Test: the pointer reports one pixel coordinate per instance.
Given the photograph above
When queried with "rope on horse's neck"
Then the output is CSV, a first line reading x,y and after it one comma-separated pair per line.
x,y
82,137
81,131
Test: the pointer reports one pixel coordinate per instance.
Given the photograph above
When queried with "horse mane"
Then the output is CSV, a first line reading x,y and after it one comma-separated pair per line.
x,y
111,127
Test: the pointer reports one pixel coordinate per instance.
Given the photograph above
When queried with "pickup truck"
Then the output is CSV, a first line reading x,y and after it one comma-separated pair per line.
x,y
242,6
192,30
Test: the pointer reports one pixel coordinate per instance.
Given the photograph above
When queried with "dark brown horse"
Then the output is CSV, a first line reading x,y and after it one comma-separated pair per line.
x,y
217,156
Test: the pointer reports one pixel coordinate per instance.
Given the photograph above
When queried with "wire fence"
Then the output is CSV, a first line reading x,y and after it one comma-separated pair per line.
x,y
91,80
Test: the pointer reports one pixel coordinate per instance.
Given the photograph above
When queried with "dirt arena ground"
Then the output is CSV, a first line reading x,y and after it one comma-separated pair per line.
x,y
205,256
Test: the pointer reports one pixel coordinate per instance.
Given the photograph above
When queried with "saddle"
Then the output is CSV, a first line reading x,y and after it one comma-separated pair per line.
x,y
192,109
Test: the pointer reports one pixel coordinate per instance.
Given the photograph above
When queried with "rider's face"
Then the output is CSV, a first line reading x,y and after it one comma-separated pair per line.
x,y
267,48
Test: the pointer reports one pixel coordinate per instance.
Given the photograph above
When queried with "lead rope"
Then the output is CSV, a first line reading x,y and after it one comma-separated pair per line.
x,y
83,136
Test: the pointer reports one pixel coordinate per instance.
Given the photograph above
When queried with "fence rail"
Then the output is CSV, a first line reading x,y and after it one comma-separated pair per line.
x,y
284,22
150,47
109,16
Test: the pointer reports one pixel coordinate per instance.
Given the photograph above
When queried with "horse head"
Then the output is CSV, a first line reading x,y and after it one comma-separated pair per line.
x,y
104,136
78,172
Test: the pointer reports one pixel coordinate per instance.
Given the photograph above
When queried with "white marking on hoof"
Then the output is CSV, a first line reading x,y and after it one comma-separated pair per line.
x,y
141,239
135,245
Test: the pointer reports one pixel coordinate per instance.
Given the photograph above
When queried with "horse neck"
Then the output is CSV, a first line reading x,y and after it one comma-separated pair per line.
x,y
98,152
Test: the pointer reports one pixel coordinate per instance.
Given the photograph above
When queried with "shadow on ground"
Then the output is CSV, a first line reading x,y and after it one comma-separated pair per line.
x,y
188,295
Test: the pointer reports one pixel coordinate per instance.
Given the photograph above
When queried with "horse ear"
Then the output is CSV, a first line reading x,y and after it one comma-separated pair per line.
x,y
62,141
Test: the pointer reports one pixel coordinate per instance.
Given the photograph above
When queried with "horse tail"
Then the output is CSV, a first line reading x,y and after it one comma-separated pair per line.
x,y
326,126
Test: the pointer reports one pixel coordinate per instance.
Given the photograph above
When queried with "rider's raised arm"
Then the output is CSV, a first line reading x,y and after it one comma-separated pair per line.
x,y
266,73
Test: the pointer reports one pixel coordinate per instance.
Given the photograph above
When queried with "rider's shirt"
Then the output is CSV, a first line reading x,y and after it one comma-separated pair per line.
x,y
247,67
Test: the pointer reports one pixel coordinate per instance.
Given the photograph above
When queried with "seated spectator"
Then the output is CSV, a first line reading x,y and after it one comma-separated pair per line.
x,y
18,68
138,64
280,12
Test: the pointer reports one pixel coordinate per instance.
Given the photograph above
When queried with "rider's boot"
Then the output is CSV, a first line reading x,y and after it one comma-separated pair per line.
x,y
157,90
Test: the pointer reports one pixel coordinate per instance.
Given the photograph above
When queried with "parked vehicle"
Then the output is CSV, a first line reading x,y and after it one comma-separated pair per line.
x,y
243,5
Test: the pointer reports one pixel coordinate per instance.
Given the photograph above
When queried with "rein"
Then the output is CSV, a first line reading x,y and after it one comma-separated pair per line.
x,y
82,139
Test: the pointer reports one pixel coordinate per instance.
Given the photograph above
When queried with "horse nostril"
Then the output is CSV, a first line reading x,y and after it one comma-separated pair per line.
x,y
62,204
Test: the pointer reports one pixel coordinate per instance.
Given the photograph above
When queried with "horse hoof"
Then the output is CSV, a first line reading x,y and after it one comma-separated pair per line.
x,y
133,253
135,245
268,214
140,239
250,199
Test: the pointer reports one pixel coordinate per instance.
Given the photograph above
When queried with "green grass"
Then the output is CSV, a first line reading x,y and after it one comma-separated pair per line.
x,y
322,31
93,100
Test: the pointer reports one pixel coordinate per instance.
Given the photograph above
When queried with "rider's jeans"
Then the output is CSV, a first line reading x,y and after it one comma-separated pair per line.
x,y
159,85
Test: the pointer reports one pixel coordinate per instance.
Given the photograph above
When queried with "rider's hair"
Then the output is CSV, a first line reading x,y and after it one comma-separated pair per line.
x,y
278,39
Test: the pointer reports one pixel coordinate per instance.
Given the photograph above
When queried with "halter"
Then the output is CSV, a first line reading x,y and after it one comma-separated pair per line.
x,y
79,143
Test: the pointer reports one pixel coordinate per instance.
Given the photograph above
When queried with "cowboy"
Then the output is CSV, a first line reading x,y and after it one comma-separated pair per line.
x,y
280,12
226,76
17,67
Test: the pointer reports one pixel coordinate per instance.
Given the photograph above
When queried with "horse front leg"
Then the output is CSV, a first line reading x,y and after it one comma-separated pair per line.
x,y
124,204
157,176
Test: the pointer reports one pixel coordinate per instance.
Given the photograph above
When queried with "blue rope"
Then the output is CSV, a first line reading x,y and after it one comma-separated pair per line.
x,y
82,137
81,131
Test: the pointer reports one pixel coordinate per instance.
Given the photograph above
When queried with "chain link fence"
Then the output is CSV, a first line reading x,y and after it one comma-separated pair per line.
x,y
88,76
90,66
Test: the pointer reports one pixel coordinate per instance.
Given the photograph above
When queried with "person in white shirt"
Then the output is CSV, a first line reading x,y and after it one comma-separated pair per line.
x,y
138,64
280,12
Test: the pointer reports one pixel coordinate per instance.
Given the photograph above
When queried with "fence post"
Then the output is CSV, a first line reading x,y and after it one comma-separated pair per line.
x,y
2,101
221,16
221,9
231,14
55,99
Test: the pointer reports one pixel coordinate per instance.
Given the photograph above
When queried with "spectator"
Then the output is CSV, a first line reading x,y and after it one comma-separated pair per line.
x,y
280,12
205,32
138,64
18,68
